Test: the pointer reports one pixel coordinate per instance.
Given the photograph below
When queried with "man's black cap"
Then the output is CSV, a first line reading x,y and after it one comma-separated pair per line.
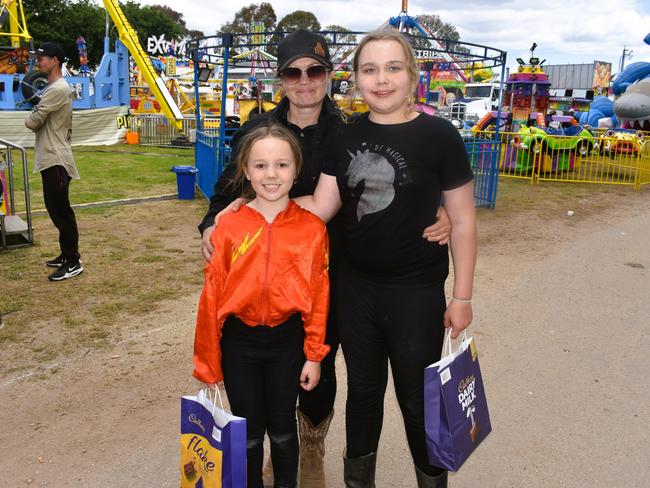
x,y
303,44
51,49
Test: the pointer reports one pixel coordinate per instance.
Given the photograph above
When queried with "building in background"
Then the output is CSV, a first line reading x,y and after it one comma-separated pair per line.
x,y
574,86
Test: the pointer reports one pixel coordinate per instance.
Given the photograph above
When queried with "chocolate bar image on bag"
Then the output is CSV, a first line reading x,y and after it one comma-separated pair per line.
x,y
189,470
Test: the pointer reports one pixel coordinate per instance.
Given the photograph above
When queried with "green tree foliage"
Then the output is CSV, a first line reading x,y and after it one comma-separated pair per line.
x,y
291,22
63,21
298,19
153,21
245,16
195,34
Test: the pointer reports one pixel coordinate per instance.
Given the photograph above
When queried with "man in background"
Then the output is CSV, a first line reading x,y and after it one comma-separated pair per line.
x,y
51,120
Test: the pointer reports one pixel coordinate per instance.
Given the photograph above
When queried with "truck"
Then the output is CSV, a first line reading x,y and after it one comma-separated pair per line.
x,y
479,99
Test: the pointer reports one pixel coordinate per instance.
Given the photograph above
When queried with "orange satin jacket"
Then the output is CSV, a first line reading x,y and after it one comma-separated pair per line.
x,y
263,273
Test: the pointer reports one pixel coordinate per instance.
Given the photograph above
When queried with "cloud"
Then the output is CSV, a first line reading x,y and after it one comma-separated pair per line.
x,y
577,31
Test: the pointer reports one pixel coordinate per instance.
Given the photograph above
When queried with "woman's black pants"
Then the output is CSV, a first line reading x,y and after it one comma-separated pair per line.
x,y
261,368
318,403
378,323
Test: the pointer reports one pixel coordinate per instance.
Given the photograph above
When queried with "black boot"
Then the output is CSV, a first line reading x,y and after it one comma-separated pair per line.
x,y
426,481
360,472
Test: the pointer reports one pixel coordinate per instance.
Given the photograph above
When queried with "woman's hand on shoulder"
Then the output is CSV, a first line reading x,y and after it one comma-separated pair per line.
x,y
233,207
458,316
310,375
207,249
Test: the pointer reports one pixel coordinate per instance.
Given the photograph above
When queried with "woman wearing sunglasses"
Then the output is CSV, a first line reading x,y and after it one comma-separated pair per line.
x,y
304,67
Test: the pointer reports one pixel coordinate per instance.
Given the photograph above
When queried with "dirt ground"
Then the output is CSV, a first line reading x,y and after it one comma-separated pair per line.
x,y
561,321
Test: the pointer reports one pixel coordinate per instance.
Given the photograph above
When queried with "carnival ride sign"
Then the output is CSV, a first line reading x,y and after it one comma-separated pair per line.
x,y
159,45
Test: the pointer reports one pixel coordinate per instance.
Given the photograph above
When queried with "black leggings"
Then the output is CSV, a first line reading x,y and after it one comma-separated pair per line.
x,y
261,369
56,185
378,323
317,404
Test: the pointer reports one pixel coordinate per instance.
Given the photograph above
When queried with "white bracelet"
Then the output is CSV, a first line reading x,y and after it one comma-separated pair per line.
x,y
461,300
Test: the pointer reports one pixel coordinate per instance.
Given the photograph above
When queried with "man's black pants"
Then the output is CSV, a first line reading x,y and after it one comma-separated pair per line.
x,y
261,369
56,185
378,323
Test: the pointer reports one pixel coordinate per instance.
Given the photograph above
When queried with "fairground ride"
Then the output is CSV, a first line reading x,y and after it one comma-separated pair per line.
x,y
15,41
129,38
223,52
110,83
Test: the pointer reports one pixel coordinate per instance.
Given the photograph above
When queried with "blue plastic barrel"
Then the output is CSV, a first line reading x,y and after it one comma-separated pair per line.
x,y
185,176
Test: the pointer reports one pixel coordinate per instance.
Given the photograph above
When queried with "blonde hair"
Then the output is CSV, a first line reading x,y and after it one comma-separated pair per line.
x,y
269,129
390,34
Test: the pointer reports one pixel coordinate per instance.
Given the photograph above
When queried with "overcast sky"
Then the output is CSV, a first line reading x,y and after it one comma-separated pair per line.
x,y
566,31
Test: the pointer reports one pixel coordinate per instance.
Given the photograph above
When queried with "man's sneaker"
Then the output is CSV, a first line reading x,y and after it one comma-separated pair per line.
x,y
56,262
67,270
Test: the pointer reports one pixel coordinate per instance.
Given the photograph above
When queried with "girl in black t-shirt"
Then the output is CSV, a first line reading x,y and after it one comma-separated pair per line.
x,y
386,175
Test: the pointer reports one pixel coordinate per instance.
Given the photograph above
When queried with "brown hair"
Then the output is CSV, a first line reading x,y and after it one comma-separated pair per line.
x,y
267,129
390,34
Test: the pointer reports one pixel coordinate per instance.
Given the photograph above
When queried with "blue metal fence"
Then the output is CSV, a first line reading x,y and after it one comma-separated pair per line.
x,y
212,157
484,155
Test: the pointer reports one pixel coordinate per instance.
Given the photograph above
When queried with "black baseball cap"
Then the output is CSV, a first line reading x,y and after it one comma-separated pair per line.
x,y
51,49
303,44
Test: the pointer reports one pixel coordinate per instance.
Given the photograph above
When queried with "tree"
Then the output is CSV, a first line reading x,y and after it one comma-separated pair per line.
x,y
438,28
441,30
247,15
298,19
195,34
172,14
63,21
338,43
154,21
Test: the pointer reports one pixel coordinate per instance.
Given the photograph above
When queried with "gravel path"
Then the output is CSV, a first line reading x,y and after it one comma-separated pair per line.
x,y
562,333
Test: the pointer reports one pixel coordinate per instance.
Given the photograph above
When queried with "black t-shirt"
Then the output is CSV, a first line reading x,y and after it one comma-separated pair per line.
x,y
390,179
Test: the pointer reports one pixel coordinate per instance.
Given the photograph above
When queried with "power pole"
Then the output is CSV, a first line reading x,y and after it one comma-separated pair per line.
x,y
627,53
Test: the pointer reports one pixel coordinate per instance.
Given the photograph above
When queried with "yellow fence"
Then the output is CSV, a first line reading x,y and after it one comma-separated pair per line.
x,y
603,157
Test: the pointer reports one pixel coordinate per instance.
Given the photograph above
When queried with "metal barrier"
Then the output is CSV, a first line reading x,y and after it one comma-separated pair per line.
x,y
483,153
14,232
612,158
158,130
211,155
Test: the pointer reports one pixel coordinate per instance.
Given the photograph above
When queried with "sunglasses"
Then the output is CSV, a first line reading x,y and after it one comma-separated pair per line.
x,y
293,75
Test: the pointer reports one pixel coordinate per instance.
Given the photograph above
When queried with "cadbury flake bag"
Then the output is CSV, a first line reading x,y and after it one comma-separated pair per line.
x,y
455,408
213,444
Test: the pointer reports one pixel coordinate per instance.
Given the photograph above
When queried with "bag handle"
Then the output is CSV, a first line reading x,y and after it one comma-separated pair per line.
x,y
446,344
216,395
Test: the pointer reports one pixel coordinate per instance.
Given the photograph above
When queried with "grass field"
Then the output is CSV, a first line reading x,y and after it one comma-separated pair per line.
x,y
134,256
111,173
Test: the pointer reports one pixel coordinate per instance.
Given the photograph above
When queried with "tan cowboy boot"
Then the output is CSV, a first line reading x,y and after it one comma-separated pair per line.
x,y
312,451
267,474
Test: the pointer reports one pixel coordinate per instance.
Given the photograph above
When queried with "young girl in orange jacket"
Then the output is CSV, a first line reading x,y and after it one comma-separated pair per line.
x,y
262,314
